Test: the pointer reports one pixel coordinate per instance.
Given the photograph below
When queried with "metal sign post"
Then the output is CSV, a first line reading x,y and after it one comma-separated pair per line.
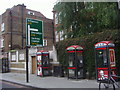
x,y
34,37
27,71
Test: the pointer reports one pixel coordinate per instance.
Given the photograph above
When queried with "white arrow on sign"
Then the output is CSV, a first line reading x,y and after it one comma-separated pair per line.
x,y
30,29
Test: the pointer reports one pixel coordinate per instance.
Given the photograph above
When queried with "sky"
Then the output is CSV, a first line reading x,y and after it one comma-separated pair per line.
x,y
43,6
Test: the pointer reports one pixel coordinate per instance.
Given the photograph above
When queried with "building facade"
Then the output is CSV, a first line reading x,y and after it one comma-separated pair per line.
x,y
13,36
58,34
13,25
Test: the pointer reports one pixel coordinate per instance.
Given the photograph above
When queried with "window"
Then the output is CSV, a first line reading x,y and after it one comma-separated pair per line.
x,y
2,27
71,59
61,35
2,43
56,36
13,56
44,42
101,58
31,13
56,19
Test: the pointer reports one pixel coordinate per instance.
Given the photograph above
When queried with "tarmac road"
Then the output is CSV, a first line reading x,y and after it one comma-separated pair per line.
x,y
4,85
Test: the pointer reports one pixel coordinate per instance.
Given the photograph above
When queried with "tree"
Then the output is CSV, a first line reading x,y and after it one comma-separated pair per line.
x,y
69,20
106,16
79,18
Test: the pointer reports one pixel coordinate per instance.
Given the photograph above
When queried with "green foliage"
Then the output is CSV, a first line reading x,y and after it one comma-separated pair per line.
x,y
78,19
88,42
106,15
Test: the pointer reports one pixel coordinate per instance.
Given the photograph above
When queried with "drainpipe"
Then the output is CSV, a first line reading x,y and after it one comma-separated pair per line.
x,y
11,30
22,26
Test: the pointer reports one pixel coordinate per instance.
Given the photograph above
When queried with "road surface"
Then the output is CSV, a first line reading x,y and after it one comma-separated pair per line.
x,y
4,85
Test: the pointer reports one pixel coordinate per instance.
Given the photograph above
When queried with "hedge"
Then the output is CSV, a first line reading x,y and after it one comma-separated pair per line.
x,y
88,42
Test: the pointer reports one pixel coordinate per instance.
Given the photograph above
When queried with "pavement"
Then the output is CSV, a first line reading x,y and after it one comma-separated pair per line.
x,y
49,82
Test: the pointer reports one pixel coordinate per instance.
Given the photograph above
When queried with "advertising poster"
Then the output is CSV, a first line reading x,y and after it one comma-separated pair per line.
x,y
112,57
102,74
39,64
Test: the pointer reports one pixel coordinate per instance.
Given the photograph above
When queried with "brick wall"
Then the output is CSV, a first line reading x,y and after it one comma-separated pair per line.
x,y
15,22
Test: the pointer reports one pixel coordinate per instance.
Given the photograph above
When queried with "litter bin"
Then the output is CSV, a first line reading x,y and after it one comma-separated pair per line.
x,y
58,71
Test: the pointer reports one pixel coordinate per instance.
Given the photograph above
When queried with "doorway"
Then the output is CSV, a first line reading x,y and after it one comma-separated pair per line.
x,y
34,64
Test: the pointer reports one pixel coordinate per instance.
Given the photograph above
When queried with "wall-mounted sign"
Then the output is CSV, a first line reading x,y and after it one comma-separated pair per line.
x,y
13,58
21,57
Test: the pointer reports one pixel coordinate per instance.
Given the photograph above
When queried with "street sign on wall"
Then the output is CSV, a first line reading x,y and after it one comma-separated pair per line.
x,y
34,32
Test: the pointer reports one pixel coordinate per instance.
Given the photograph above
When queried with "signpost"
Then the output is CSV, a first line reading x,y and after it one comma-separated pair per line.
x,y
34,32
34,37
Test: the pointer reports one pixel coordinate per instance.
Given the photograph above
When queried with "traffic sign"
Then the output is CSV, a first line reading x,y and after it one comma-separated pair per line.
x,y
34,32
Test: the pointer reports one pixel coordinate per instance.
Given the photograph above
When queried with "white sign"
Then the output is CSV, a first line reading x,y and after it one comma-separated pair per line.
x,y
13,57
21,57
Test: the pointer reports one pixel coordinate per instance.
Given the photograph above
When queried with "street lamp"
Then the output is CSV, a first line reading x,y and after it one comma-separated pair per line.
x,y
9,46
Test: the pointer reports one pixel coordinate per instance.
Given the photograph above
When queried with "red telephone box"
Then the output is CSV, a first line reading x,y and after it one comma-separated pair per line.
x,y
105,60
75,62
43,63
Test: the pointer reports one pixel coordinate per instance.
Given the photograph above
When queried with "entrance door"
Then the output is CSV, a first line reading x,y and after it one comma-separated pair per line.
x,y
33,65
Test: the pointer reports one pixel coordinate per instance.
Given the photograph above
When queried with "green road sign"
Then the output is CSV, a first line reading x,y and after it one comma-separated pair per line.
x,y
34,29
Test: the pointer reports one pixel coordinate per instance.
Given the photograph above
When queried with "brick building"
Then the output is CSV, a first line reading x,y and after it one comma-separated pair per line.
x,y
14,25
13,32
